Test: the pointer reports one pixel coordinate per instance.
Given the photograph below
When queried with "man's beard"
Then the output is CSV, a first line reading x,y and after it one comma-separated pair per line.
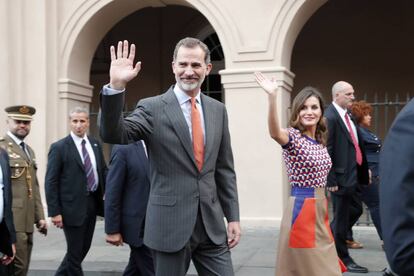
x,y
187,87
20,136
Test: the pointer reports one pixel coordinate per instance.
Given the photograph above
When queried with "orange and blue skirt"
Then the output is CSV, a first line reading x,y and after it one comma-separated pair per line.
x,y
306,245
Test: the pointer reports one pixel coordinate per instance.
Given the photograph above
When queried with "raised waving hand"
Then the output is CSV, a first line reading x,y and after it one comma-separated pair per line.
x,y
122,65
271,87
268,85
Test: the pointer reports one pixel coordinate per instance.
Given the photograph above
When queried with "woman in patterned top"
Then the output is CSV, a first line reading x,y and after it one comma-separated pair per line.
x,y
306,245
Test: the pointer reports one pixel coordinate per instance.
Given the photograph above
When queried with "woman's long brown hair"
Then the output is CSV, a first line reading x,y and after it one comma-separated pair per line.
x,y
321,134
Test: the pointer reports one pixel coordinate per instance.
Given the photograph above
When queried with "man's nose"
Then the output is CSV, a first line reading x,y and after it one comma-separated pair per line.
x,y
189,71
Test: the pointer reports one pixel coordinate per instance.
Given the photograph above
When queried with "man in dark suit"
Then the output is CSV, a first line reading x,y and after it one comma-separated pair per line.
x,y
349,169
193,183
126,198
74,187
397,192
7,231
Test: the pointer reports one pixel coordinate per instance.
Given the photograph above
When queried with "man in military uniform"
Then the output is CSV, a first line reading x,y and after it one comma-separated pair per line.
x,y
27,205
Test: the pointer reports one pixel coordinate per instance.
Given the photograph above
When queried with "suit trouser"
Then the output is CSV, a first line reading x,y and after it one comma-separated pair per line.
x,y
208,258
6,270
24,245
140,262
347,210
78,241
370,196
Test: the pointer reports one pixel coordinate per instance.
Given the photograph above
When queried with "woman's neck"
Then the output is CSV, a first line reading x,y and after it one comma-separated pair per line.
x,y
311,132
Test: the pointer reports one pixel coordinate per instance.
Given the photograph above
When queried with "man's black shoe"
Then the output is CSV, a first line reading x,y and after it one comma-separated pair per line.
x,y
354,268
387,272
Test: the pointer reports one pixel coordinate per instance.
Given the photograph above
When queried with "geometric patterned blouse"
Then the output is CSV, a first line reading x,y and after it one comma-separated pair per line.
x,y
308,163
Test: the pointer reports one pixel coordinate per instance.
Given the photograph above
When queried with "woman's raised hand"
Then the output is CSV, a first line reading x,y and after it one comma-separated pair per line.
x,y
269,85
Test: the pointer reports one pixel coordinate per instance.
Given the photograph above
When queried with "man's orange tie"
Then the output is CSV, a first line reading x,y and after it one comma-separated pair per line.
x,y
198,140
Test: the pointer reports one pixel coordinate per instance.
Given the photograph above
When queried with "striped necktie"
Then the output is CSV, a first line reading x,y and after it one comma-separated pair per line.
x,y
88,168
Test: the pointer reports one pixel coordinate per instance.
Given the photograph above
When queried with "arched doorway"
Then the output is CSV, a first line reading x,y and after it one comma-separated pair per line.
x,y
155,38
367,44
154,28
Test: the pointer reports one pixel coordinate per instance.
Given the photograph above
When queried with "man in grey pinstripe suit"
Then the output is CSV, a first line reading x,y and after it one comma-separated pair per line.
x,y
188,202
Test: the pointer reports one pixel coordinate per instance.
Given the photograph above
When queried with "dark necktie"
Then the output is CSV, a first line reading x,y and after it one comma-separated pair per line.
x,y
88,168
198,139
354,140
23,146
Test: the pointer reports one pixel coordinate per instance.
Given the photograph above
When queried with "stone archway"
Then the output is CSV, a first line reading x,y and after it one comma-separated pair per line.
x,y
90,21
82,32
366,45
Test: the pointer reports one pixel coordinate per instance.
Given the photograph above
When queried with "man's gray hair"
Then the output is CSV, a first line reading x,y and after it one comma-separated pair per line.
x,y
78,109
191,42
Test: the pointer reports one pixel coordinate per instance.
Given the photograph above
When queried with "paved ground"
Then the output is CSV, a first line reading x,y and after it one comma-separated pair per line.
x,y
254,256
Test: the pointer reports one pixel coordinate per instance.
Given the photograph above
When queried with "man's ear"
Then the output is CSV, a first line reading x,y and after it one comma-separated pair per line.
x,y
209,67
172,66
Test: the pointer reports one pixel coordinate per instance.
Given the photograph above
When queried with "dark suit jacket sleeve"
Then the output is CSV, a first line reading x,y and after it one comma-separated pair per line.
x,y
103,167
117,130
397,192
226,177
330,146
7,213
114,188
39,213
54,167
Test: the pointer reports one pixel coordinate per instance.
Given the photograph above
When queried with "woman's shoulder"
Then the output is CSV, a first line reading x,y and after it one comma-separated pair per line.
x,y
368,134
293,131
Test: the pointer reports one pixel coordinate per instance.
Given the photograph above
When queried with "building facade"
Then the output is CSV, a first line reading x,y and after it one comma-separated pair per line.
x,y
55,56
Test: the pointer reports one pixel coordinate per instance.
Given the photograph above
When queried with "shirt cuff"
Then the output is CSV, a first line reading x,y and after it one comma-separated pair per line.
x,y
108,91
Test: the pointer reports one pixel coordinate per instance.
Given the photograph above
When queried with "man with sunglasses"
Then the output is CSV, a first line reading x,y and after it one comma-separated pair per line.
x,y
27,205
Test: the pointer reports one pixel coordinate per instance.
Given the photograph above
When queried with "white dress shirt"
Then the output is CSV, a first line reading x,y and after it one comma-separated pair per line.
x,y
185,103
78,143
342,113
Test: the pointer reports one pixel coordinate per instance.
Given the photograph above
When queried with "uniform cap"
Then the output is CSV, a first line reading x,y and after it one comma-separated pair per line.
x,y
20,112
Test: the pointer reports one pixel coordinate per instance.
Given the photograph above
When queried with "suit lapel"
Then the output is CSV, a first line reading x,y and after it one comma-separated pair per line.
x,y
95,148
4,169
342,124
73,150
209,119
96,152
143,159
4,165
175,114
